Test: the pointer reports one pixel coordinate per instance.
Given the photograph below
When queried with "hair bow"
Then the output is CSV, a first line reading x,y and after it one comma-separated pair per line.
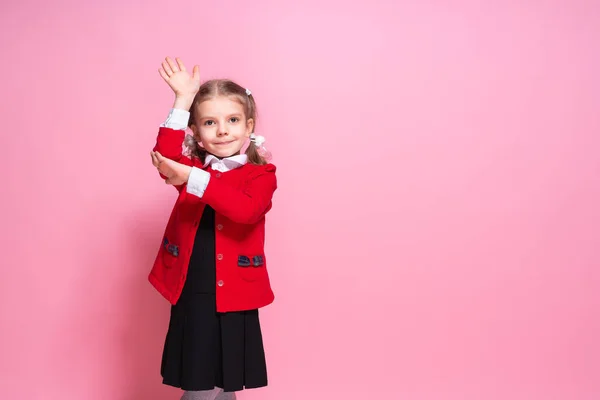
x,y
257,139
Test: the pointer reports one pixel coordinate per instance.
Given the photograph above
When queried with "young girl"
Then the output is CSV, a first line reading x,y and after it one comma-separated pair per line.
x,y
211,265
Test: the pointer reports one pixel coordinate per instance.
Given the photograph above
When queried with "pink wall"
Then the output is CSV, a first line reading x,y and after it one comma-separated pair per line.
x,y
435,235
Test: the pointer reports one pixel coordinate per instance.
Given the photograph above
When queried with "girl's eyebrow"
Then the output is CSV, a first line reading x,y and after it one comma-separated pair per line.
x,y
229,116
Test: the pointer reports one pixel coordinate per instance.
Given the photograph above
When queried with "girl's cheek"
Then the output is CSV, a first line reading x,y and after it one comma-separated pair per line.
x,y
207,131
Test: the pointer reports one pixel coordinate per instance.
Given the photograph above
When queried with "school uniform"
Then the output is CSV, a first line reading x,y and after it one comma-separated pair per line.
x,y
212,268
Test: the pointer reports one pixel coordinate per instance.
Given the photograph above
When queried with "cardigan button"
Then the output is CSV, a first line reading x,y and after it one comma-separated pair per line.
x,y
220,283
218,174
220,227
219,257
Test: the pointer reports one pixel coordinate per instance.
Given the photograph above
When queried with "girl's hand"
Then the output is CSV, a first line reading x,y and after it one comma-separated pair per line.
x,y
176,173
175,74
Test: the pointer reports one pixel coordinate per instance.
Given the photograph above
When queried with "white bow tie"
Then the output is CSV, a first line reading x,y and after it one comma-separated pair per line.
x,y
225,164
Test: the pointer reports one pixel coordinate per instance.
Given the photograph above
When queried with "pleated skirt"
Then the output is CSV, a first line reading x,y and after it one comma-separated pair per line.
x,y
203,348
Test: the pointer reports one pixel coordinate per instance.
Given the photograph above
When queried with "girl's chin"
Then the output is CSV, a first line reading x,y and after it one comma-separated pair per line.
x,y
224,151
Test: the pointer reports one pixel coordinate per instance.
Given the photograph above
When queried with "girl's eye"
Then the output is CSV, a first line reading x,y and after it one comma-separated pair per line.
x,y
209,122
234,119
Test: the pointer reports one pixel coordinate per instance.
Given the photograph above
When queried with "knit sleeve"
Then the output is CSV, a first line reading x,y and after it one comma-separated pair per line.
x,y
247,205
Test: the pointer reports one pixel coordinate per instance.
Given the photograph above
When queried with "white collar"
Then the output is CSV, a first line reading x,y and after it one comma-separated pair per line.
x,y
225,164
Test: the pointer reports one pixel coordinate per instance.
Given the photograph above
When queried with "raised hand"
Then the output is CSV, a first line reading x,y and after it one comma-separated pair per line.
x,y
175,74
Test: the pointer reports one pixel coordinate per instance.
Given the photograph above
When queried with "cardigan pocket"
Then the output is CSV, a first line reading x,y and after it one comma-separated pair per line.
x,y
170,253
251,267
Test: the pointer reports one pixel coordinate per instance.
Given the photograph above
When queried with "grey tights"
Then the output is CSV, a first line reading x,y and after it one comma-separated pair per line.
x,y
215,394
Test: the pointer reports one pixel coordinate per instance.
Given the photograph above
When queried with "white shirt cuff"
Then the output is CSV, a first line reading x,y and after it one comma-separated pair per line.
x,y
197,182
177,119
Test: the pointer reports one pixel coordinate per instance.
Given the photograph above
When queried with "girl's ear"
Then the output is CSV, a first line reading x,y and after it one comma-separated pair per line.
x,y
196,133
249,126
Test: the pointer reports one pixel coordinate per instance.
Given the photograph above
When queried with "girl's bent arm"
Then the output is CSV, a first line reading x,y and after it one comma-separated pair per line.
x,y
169,143
172,132
245,206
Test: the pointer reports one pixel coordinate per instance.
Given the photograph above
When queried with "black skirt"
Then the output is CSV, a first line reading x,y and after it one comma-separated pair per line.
x,y
203,348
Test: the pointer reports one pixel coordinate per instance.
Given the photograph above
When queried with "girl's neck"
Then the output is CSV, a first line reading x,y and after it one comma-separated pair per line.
x,y
220,158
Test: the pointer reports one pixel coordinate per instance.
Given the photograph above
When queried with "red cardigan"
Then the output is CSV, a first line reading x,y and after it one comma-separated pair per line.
x,y
241,198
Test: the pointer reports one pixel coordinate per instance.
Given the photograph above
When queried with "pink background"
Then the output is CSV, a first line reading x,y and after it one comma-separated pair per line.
x,y
435,234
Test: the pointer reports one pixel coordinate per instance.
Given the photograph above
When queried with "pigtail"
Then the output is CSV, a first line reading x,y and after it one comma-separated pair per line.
x,y
253,156
194,149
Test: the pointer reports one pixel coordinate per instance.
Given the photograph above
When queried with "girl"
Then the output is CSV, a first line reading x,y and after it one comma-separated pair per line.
x,y
211,264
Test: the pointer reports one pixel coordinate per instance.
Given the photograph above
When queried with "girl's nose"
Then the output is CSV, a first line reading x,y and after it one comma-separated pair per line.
x,y
222,131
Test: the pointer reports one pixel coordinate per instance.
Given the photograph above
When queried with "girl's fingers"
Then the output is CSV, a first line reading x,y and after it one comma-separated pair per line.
x,y
196,73
173,65
167,68
180,64
162,73
155,162
157,159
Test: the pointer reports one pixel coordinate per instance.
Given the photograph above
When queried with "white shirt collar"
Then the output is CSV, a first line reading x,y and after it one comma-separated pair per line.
x,y
225,164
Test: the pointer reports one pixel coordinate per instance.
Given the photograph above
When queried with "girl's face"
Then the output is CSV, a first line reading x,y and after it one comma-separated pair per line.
x,y
222,126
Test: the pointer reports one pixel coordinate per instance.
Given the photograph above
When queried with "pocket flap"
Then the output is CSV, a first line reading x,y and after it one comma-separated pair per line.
x,y
256,261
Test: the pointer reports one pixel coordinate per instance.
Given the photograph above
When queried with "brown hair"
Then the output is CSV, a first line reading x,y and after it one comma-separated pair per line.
x,y
223,87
